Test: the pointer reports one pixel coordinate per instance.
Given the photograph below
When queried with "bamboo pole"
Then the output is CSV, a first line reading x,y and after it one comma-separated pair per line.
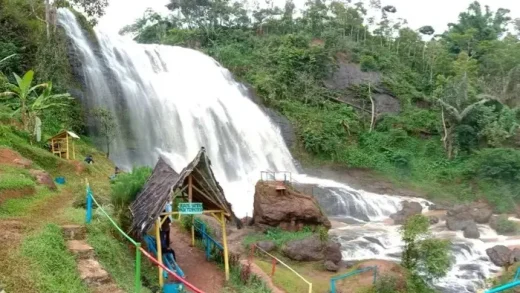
x,y
159,250
224,243
67,142
190,199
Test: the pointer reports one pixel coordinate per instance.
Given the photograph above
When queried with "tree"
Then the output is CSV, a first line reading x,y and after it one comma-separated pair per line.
x,y
107,126
22,91
424,255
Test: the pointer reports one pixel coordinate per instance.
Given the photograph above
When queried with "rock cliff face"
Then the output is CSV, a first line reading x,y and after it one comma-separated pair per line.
x,y
287,209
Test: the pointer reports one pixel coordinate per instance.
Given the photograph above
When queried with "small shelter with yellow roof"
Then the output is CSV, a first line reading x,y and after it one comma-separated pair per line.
x,y
62,144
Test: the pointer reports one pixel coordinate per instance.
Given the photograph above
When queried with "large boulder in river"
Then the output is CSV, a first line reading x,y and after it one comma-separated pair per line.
x,y
408,209
308,249
460,216
313,249
499,255
287,209
471,231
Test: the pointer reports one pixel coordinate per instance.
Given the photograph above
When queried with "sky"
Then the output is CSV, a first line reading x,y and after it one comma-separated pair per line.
x,y
437,13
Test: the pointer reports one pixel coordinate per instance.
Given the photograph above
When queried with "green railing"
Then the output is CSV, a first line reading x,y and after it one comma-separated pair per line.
x,y
91,199
340,277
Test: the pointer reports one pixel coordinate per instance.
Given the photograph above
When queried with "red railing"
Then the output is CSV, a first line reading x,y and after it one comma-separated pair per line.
x,y
182,280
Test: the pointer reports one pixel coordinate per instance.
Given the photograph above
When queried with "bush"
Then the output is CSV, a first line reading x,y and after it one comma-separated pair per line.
x,y
505,226
499,164
126,186
368,63
386,284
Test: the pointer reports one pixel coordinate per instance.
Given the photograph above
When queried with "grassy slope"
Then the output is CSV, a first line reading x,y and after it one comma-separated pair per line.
x,y
38,243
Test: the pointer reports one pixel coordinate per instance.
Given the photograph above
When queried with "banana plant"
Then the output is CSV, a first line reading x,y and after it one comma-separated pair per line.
x,y
26,101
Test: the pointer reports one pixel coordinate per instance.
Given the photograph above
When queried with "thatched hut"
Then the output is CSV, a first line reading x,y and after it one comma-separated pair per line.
x,y
165,182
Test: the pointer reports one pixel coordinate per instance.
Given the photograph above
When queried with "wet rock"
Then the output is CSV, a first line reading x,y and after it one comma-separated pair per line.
x,y
409,209
479,212
308,249
288,209
433,220
515,256
43,178
374,240
456,224
333,252
266,245
330,266
439,207
471,231
499,255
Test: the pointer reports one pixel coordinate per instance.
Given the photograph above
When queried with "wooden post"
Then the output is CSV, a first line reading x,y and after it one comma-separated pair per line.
x,y
73,150
67,138
224,243
190,198
159,250
273,268
52,146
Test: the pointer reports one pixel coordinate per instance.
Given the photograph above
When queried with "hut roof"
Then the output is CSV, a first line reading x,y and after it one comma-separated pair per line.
x,y
151,201
64,133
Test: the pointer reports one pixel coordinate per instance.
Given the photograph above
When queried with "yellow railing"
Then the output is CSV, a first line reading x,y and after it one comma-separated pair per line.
x,y
277,260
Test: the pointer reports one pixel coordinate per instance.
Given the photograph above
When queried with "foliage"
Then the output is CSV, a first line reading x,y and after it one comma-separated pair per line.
x,y
253,284
124,190
126,186
422,255
18,181
499,164
278,236
115,256
386,284
56,266
107,125
458,91
506,227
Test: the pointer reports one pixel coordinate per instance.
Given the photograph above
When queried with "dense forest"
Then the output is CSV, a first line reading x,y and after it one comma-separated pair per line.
x,y
455,135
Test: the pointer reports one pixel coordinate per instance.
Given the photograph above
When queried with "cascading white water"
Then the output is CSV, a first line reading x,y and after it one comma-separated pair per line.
x,y
171,101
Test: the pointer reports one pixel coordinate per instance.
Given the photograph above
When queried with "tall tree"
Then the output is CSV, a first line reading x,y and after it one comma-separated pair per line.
x,y
107,126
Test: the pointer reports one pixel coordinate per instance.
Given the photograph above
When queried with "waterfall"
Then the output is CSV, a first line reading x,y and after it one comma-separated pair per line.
x,y
172,101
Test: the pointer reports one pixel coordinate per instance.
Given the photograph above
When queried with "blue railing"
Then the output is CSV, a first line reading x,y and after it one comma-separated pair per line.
x,y
208,242
340,277
507,286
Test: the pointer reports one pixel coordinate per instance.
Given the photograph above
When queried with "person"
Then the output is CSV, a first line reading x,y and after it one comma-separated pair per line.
x,y
116,172
165,238
89,159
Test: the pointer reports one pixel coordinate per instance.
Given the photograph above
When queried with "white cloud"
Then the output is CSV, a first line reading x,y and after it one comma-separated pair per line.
x,y
436,13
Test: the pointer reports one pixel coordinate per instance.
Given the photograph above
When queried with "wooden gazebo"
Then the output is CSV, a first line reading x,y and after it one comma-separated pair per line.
x,y
62,144
197,184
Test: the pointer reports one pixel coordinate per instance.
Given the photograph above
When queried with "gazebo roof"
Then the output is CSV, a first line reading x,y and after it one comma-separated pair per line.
x,y
151,201
64,133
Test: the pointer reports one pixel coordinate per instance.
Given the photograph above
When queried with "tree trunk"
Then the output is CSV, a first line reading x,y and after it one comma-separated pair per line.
x,y
372,119
108,146
48,18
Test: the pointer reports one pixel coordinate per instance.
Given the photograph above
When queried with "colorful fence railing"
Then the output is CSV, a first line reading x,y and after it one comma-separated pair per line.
x,y
138,249
209,243
507,286
275,261
356,272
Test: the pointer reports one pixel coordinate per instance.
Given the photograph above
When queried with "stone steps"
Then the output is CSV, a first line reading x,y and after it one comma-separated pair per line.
x,y
90,270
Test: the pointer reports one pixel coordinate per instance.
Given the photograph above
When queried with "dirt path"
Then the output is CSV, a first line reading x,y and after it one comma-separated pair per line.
x,y
201,273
